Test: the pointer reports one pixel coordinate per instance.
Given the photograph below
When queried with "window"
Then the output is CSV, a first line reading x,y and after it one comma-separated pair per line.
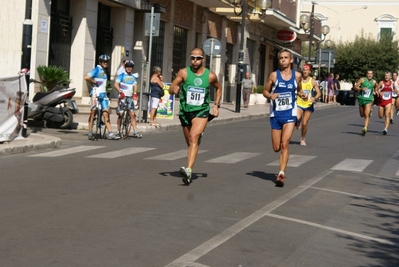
x,y
157,47
179,50
386,25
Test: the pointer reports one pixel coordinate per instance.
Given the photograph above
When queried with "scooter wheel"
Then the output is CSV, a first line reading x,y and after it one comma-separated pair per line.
x,y
68,116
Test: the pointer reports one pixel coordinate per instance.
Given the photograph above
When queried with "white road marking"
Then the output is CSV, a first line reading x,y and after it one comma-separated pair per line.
x,y
379,240
216,241
66,151
174,155
234,157
354,165
122,152
294,160
341,192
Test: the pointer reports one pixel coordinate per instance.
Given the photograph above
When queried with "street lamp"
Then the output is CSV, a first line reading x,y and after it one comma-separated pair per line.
x,y
263,5
307,23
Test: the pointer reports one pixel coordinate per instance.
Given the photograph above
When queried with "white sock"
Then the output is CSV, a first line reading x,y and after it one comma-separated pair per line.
x,y
281,172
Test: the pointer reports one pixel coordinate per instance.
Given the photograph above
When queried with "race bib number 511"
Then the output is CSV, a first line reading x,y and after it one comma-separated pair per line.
x,y
195,96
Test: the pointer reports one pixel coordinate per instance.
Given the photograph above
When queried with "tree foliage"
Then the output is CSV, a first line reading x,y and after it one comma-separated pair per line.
x,y
353,59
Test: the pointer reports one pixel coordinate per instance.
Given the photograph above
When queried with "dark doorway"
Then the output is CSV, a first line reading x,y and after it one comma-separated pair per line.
x,y
60,34
104,32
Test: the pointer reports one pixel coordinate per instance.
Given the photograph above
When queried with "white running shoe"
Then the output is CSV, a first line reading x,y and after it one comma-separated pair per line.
x,y
186,173
303,142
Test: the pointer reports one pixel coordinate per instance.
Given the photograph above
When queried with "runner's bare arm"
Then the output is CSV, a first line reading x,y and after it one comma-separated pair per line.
x,y
271,80
358,83
317,88
180,78
298,77
213,79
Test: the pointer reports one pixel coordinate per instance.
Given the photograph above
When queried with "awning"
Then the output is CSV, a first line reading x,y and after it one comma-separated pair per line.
x,y
272,43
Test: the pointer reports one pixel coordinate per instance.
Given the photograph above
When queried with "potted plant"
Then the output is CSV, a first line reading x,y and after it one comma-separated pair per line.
x,y
51,76
260,99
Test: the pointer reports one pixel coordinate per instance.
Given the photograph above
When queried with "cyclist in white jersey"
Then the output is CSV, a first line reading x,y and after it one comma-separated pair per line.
x,y
126,85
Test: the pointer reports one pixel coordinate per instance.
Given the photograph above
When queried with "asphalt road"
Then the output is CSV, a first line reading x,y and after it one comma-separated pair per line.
x,y
122,203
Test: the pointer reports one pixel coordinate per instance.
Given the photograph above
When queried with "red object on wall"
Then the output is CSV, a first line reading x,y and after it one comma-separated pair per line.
x,y
286,36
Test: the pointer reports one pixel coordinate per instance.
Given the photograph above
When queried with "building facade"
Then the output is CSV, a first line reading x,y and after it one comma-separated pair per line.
x,y
73,33
347,19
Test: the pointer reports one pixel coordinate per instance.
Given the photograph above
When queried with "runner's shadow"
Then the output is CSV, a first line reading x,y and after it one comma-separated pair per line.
x,y
176,174
263,175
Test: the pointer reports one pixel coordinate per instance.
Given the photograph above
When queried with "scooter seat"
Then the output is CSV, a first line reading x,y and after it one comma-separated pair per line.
x,y
40,95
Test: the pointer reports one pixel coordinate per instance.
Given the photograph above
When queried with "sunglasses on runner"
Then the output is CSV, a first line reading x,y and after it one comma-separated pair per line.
x,y
196,57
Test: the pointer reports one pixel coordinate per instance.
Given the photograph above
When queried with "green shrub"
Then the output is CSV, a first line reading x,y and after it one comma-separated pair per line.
x,y
51,76
259,89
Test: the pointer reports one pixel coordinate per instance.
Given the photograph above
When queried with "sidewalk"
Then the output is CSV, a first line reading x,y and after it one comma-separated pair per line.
x,y
227,114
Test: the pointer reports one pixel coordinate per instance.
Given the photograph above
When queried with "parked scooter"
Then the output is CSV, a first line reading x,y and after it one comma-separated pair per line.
x,y
55,107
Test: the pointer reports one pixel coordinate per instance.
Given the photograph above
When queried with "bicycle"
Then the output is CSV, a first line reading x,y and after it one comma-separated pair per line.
x,y
99,127
125,123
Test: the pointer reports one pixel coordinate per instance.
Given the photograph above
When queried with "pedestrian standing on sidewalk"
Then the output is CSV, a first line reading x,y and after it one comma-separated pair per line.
x,y
306,106
248,87
337,87
156,86
331,88
366,87
281,88
194,104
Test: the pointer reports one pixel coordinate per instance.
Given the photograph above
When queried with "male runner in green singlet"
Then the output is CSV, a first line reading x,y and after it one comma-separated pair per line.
x,y
194,104
366,87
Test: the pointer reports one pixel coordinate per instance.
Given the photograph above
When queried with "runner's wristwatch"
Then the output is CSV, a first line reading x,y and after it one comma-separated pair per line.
x,y
217,104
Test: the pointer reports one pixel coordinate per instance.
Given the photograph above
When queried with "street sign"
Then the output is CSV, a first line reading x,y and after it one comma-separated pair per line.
x,y
155,24
325,56
212,46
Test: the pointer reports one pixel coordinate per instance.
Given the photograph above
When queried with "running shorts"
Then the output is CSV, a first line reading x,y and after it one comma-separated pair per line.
x,y
363,102
187,117
278,122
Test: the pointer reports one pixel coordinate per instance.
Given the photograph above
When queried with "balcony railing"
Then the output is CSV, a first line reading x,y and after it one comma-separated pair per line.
x,y
286,7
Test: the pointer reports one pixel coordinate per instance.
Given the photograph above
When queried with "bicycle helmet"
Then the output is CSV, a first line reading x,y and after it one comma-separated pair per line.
x,y
103,57
129,63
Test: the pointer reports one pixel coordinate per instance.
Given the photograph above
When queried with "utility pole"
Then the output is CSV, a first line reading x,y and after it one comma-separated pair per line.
x,y
26,57
241,57
311,32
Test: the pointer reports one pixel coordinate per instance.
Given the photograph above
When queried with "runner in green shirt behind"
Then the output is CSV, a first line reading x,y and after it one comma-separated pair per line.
x,y
366,86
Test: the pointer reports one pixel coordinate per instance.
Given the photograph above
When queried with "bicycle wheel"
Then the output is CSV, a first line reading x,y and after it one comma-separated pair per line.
x,y
96,130
125,125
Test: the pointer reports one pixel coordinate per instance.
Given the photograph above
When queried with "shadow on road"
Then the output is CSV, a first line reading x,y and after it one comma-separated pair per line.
x,y
263,175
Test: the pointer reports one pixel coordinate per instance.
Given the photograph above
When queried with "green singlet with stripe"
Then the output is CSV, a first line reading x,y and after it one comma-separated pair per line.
x,y
368,94
194,94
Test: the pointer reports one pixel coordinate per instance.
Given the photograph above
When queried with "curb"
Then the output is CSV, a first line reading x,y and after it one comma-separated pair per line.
x,y
30,143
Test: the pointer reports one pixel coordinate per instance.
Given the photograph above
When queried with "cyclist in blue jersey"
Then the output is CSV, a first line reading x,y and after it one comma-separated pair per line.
x,y
282,88
126,85
98,78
